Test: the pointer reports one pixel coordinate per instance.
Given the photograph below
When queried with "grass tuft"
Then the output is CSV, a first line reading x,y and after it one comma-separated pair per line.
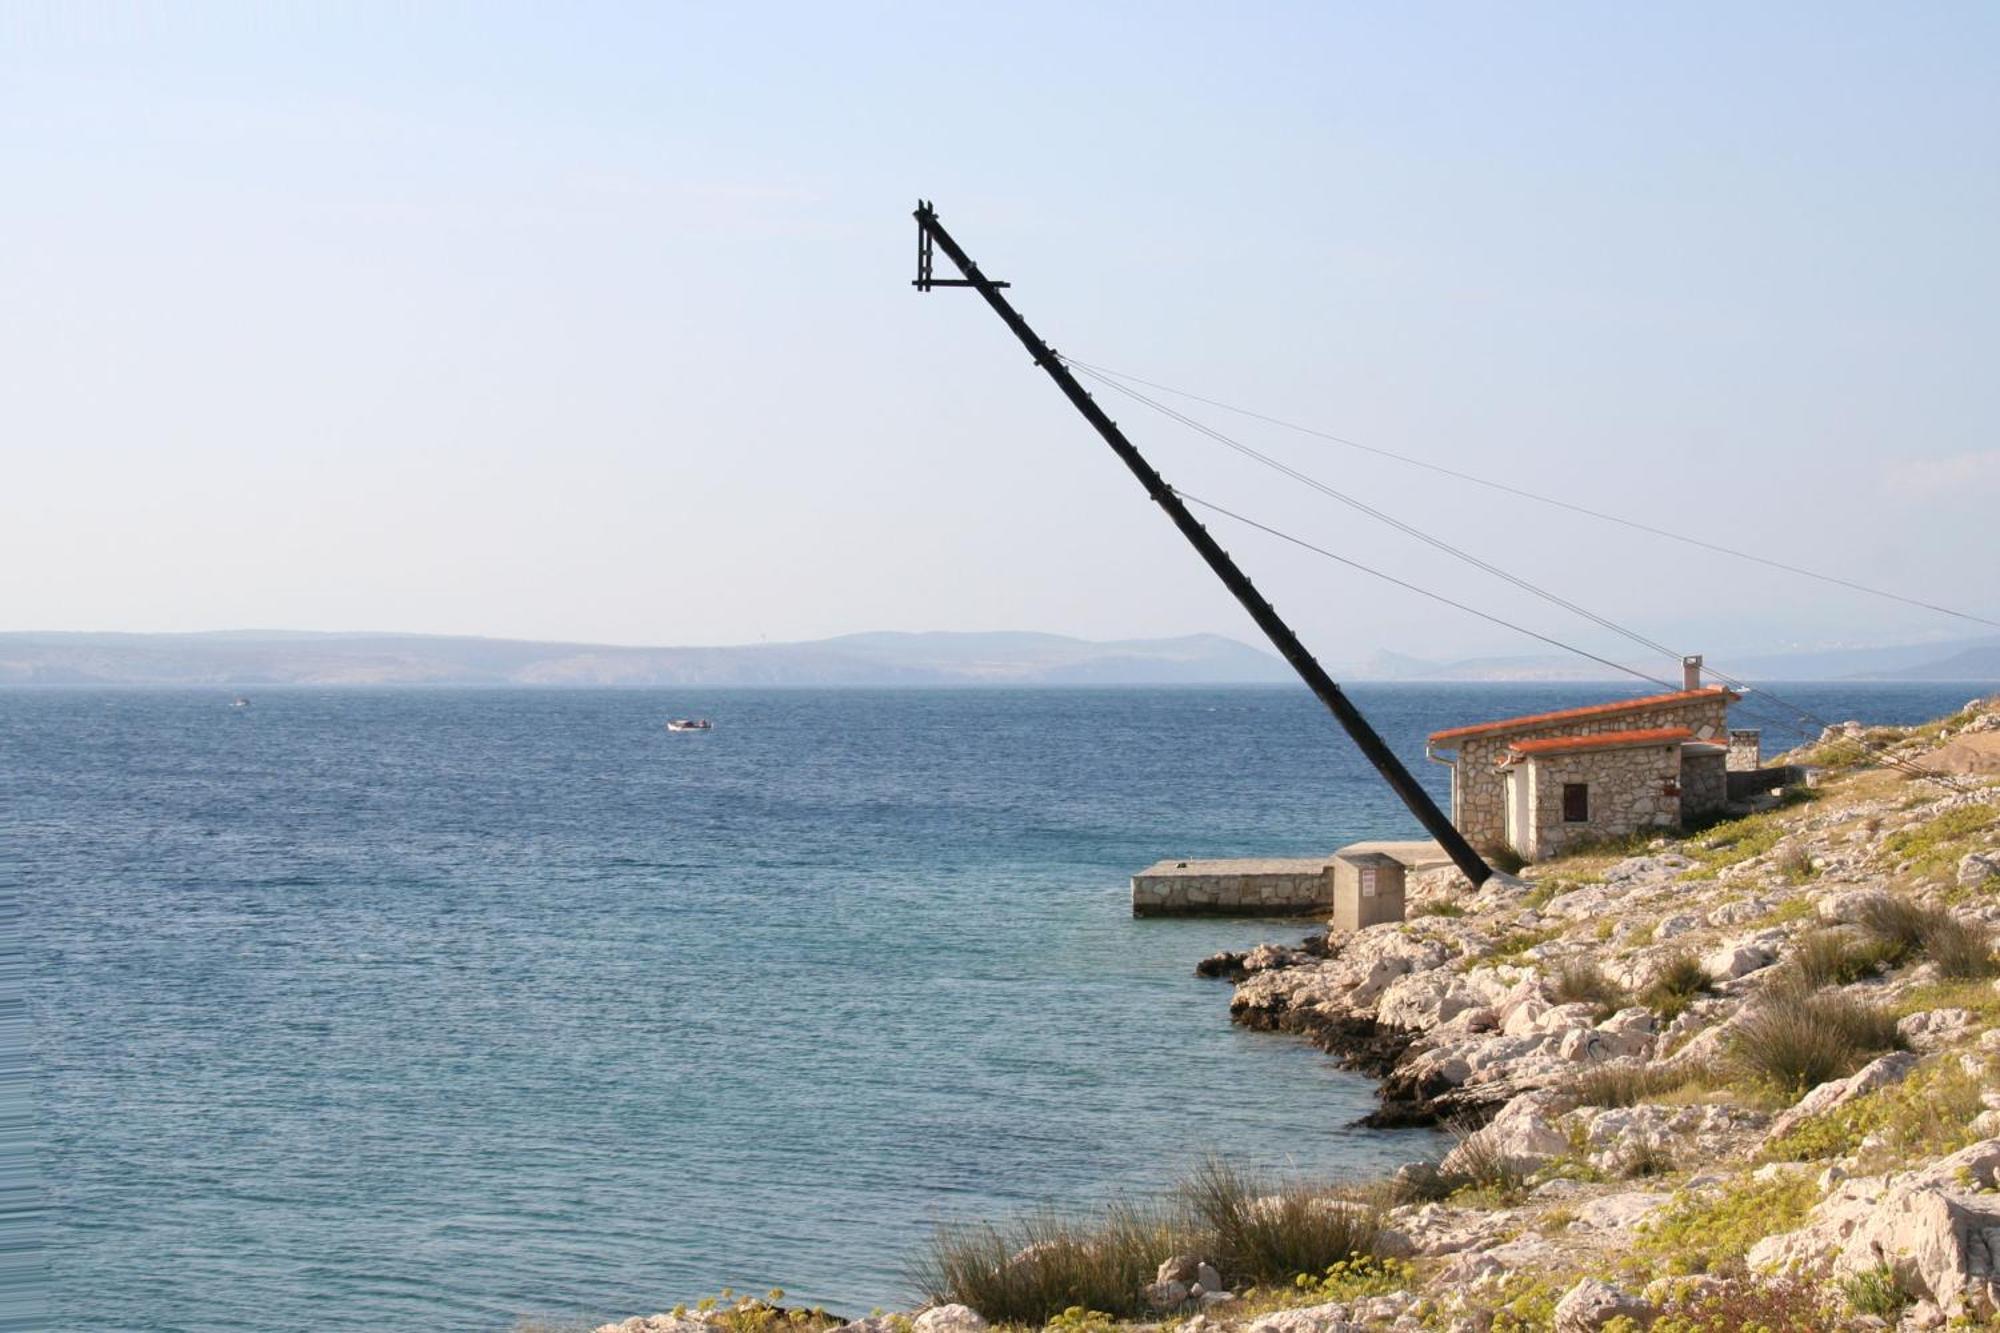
x,y
1582,981
1904,928
1255,1230
1630,1083
1835,957
1680,979
1795,1040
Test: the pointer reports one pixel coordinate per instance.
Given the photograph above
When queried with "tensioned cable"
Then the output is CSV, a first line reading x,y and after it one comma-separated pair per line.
x,y
1108,375
1407,529
1905,766
1421,591
1915,770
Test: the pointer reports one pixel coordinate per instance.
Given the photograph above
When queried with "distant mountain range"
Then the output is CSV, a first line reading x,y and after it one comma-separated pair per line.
x,y
279,657
250,657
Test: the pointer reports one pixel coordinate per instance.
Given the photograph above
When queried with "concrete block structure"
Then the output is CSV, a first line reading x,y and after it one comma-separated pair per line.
x,y
1367,890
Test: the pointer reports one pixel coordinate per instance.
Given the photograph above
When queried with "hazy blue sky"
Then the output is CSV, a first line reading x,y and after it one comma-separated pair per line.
x,y
593,321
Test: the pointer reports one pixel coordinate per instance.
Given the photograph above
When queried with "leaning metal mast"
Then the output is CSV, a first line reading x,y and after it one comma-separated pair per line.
x,y
931,232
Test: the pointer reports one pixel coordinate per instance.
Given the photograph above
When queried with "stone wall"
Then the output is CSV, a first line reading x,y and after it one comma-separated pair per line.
x,y
1478,793
1632,788
1746,749
1271,886
1704,782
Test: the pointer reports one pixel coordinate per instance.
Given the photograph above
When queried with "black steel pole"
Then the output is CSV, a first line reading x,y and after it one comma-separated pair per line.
x,y
1287,643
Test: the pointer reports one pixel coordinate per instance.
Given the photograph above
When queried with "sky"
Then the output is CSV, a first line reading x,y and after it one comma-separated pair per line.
x,y
594,322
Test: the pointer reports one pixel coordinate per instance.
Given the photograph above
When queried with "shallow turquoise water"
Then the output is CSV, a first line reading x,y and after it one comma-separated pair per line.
x,y
393,1008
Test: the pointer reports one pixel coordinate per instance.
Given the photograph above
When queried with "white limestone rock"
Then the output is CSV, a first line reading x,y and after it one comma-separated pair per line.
x,y
1333,1317
1618,1212
1848,906
1591,1304
1937,1226
949,1319
1976,868
1935,1028
1523,1137
1680,923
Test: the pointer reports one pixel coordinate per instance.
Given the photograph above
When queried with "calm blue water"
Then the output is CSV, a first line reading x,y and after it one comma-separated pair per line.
x,y
393,1008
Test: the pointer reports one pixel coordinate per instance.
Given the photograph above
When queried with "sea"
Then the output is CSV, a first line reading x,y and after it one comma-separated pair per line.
x,y
455,1009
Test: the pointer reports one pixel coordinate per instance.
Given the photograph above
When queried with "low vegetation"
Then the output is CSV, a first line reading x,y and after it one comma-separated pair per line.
x,y
1680,980
1629,1084
1745,1305
1904,929
1582,981
1934,846
1710,1231
1257,1231
1792,1040
1834,957
1929,1114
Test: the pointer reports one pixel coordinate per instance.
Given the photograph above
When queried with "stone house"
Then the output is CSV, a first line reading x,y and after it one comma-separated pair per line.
x,y
1540,783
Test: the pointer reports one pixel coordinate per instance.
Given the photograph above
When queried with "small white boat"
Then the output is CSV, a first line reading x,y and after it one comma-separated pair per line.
x,y
239,702
690,724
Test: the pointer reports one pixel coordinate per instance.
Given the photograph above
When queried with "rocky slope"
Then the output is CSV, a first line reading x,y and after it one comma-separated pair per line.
x,y
1745,1078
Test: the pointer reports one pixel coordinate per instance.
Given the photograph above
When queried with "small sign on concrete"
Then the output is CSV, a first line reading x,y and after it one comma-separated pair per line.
x,y
1367,889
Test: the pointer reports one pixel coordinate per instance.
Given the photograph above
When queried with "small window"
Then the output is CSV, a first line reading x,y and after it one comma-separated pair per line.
x,y
1576,802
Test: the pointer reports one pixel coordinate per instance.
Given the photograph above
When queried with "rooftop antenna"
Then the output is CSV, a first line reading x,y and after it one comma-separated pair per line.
x,y
931,232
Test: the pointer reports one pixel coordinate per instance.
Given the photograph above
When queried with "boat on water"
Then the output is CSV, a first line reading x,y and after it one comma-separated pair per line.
x,y
239,702
690,724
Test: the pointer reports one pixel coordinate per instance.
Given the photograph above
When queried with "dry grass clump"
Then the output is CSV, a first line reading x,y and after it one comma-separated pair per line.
x,y
1680,979
1582,981
1254,1229
1270,1233
1045,1263
1834,957
1628,1083
1904,928
1794,1040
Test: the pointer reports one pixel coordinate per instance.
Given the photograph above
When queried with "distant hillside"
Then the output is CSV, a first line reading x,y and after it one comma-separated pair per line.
x,y
1979,661
249,658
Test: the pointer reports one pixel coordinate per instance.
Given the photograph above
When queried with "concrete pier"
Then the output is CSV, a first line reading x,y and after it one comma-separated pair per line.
x,y
1260,886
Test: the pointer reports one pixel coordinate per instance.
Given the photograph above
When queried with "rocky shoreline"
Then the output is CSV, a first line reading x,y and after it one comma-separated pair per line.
x,y
1747,1077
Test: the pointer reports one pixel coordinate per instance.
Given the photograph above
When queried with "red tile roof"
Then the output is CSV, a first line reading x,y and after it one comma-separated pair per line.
x,y
1603,740
1585,713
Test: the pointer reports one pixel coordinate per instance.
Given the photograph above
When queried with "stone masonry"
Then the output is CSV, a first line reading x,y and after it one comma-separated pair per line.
x,y
1632,787
1478,792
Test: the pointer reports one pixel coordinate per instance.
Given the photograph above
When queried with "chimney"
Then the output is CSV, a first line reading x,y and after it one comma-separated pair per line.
x,y
1691,672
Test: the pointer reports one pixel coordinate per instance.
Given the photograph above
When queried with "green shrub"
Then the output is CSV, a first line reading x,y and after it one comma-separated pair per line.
x,y
1733,842
1439,907
1514,945
1680,979
1793,1040
1582,981
1878,1292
